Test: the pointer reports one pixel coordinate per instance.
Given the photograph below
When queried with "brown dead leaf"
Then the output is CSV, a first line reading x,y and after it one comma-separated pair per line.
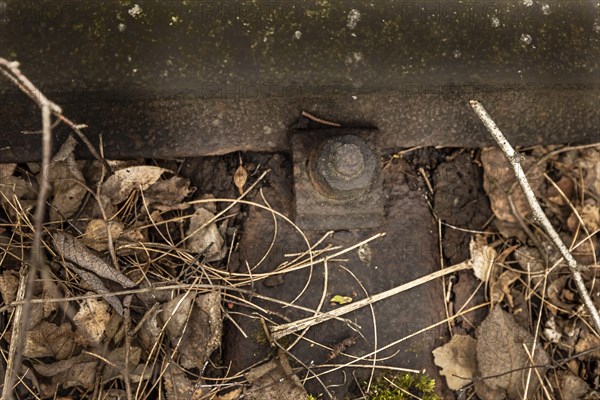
x,y
9,284
150,332
482,258
14,187
207,240
168,194
457,361
96,233
96,284
72,250
570,386
566,186
178,386
501,287
498,179
239,178
500,354
199,321
67,182
233,395
530,262
49,340
117,359
588,341
91,321
274,380
75,371
121,183
590,215
7,170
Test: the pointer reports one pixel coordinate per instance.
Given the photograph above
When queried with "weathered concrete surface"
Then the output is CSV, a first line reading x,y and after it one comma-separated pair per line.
x,y
184,78
408,251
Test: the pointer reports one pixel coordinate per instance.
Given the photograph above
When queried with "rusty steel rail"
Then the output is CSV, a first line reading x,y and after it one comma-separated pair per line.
x,y
174,79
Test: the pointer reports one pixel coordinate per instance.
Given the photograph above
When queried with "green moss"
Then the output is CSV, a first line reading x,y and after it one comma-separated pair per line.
x,y
260,337
398,387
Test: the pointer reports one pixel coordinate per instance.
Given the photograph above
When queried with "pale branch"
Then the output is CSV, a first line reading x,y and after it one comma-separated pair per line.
x,y
538,213
37,263
280,331
10,69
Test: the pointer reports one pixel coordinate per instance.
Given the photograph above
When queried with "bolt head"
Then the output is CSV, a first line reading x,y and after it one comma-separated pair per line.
x,y
343,166
347,158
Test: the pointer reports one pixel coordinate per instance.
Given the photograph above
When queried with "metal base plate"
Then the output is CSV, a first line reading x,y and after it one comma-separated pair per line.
x,y
316,211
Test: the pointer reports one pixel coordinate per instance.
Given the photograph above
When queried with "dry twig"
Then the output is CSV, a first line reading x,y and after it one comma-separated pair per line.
x,y
538,213
12,72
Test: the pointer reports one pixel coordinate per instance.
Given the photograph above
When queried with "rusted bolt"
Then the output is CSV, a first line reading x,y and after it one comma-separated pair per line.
x,y
347,159
342,167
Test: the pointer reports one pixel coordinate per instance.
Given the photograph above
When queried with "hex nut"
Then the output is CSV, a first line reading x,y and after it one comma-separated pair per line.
x,y
342,166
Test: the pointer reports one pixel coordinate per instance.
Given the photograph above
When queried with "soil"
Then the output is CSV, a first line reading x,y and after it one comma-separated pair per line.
x,y
410,249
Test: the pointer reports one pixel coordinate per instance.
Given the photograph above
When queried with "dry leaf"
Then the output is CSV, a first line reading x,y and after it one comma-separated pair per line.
x,y
96,233
457,360
498,179
501,287
121,183
482,258
72,250
233,395
500,353
178,386
49,340
587,341
571,387
91,321
168,194
9,284
239,178
75,371
117,358
96,284
207,241
566,186
590,215
67,182
274,380
199,321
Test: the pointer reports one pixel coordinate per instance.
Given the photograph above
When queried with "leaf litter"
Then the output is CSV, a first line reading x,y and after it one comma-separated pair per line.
x,y
534,342
142,217
137,216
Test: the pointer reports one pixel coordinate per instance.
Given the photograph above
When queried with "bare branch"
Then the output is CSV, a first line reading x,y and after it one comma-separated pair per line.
x,y
538,213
